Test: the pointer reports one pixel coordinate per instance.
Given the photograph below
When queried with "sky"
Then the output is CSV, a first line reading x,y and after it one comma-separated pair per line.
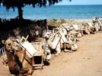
x,y
80,2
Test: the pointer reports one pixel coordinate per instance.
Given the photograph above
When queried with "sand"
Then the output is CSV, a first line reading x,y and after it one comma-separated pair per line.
x,y
86,61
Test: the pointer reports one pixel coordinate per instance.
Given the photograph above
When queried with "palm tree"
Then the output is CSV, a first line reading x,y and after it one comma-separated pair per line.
x,y
19,4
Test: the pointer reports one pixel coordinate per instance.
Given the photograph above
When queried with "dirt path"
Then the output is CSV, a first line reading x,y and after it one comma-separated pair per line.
x,y
87,61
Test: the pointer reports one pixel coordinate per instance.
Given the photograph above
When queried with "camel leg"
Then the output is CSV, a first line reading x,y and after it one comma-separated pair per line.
x,y
29,73
65,46
58,49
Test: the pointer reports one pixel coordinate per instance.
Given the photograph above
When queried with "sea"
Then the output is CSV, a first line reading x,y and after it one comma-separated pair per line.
x,y
54,12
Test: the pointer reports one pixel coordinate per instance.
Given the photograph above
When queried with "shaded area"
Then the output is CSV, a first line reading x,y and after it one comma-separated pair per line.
x,y
25,27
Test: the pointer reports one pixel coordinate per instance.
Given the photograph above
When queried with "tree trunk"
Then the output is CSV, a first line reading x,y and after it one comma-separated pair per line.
x,y
20,12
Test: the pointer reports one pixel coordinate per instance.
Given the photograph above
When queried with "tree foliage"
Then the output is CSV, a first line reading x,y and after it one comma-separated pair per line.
x,y
15,3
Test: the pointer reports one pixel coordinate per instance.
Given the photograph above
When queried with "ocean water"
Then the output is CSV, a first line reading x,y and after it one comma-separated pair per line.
x,y
55,12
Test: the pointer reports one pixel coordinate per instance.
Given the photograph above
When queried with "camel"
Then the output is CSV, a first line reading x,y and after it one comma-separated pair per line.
x,y
19,58
59,39
18,61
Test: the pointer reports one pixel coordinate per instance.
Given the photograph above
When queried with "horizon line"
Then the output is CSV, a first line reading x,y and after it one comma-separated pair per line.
x,y
75,4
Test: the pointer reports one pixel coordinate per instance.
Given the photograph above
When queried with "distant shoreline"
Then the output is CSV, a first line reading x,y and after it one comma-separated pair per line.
x,y
55,18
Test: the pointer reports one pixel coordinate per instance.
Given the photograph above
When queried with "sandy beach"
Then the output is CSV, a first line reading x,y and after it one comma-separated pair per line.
x,y
86,61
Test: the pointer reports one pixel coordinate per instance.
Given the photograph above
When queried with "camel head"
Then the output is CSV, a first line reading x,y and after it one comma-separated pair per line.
x,y
11,44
